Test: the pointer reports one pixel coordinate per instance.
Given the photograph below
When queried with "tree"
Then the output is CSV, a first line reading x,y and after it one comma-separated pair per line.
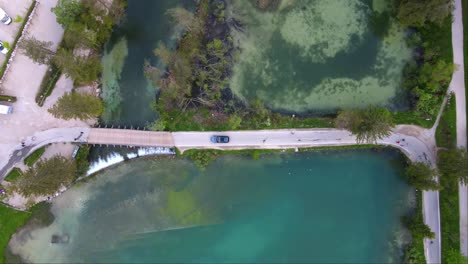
x,y
368,125
37,50
421,176
420,12
80,68
158,125
67,12
185,19
118,10
77,35
234,122
46,177
76,105
454,164
435,76
164,54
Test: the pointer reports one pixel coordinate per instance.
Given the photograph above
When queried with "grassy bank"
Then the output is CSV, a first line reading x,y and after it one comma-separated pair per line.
x,y
35,156
13,174
7,98
446,133
465,46
449,218
10,221
48,84
414,252
203,157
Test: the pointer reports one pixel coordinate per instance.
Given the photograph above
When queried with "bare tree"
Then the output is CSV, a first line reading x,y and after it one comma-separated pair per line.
x,y
185,19
163,53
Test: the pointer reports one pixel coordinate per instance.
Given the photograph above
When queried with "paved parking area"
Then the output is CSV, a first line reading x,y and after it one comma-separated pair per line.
x,y
13,9
23,80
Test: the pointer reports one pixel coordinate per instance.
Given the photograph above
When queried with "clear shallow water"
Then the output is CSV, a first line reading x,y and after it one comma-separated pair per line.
x,y
319,55
302,207
126,92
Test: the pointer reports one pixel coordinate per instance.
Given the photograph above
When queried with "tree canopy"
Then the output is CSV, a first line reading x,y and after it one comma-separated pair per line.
x,y
81,69
67,12
368,125
454,164
420,12
185,19
421,176
37,50
76,105
46,177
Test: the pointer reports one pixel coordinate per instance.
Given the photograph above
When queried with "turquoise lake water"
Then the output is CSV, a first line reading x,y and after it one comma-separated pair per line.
x,y
298,207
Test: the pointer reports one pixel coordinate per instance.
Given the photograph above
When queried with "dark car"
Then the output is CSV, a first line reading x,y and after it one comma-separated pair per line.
x,y
220,139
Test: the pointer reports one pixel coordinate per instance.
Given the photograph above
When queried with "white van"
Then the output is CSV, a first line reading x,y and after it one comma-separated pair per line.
x,y
6,19
5,109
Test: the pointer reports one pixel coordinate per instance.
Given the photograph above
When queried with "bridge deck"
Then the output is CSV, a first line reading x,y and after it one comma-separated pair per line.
x,y
126,137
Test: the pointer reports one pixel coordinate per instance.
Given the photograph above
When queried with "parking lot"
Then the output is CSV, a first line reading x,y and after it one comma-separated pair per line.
x,y
16,8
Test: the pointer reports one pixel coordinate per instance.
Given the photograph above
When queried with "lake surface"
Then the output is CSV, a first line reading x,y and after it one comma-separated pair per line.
x,y
319,56
289,207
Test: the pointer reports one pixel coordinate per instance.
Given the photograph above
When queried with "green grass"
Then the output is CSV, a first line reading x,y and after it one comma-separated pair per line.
x,y
446,133
465,46
449,218
18,35
411,118
33,157
14,173
48,84
7,98
18,19
10,221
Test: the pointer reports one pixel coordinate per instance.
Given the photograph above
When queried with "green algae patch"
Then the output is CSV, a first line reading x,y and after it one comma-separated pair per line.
x,y
184,208
113,63
324,29
320,56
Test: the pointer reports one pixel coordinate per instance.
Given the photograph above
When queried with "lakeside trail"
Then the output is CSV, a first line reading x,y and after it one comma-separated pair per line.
x,y
457,86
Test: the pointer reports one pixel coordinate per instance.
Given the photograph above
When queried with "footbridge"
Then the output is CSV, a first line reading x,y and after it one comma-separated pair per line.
x,y
127,137
417,144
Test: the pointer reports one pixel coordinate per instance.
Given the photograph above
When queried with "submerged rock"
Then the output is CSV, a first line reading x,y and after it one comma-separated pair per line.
x,y
58,239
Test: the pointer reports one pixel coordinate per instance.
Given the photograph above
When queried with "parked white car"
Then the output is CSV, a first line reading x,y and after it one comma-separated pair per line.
x,y
6,109
3,49
6,19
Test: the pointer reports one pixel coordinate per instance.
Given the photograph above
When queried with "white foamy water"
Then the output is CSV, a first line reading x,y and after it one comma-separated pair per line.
x,y
115,158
